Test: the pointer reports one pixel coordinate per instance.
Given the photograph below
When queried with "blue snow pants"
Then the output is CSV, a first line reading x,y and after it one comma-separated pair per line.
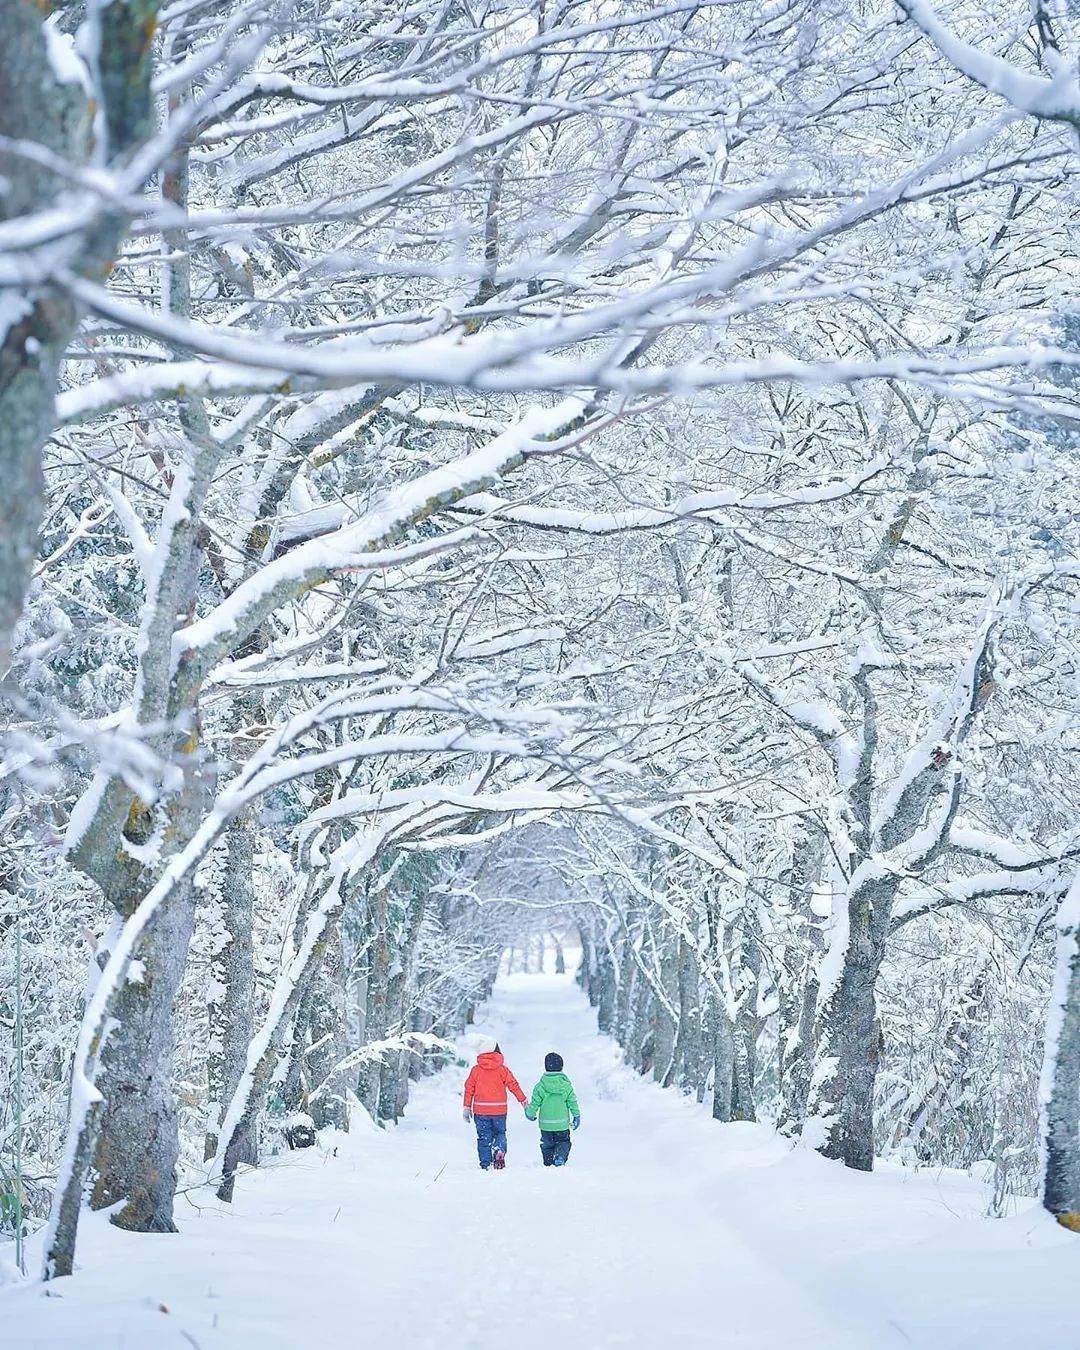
x,y
555,1147
490,1135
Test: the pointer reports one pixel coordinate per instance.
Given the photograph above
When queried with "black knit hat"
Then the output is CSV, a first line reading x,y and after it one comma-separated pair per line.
x,y
553,1063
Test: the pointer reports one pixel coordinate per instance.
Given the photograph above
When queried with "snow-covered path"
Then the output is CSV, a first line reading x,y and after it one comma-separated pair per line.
x,y
665,1230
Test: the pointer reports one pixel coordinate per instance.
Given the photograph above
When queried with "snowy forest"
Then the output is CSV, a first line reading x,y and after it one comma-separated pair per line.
x,y
501,486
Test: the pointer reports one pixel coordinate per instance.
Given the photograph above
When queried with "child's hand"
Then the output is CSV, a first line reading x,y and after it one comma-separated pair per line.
x,y
575,1122
530,1115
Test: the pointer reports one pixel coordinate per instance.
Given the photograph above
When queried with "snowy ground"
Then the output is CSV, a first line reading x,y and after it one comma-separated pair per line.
x,y
665,1230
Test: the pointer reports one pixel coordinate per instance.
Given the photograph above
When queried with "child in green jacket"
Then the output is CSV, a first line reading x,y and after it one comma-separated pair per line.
x,y
553,1101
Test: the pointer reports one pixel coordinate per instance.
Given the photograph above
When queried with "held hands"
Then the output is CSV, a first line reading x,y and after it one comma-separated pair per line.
x,y
575,1122
529,1115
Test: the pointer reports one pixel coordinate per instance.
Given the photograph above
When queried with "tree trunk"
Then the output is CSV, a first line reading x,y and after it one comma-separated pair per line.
x,y
846,1102
329,1108
850,1046
585,970
604,979
370,1076
294,1083
797,1055
799,1003
232,974
625,993
688,1050
138,1145
747,1030
639,1047
389,1107
722,1034
40,108
394,1090
666,1029
743,1106
1061,1073
36,108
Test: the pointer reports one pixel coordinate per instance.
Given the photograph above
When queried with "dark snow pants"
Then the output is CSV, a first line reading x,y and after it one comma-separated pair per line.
x,y
490,1135
554,1147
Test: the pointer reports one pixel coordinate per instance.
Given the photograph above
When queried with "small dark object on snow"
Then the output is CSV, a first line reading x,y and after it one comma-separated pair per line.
x,y
300,1136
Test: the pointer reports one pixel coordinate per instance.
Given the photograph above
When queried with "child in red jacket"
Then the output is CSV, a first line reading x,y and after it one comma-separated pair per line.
x,y
485,1103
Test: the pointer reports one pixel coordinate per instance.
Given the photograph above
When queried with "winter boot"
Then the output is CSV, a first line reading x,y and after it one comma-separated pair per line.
x,y
499,1160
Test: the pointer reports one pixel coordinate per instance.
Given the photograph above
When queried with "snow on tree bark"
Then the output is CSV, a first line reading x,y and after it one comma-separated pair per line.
x,y
1061,1072
231,1005
35,323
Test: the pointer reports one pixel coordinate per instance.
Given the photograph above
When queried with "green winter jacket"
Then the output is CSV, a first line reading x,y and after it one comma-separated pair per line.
x,y
553,1102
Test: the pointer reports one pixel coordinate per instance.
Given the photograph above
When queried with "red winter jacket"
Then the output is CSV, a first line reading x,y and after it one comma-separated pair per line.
x,y
485,1087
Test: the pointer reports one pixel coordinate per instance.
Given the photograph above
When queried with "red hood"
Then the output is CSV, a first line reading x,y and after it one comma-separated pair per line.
x,y
490,1059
